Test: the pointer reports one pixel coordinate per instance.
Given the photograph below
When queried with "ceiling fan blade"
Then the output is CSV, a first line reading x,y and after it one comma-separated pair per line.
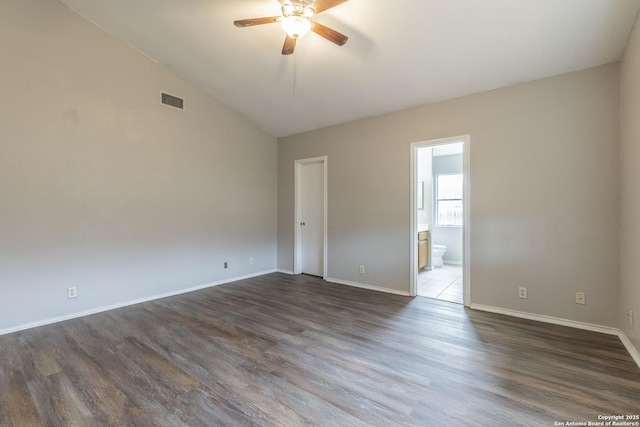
x,y
319,6
256,21
329,34
289,45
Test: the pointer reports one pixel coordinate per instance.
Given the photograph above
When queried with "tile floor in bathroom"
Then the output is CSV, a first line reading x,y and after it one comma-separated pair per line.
x,y
443,283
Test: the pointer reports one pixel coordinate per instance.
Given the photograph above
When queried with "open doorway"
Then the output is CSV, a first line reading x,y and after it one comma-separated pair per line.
x,y
439,238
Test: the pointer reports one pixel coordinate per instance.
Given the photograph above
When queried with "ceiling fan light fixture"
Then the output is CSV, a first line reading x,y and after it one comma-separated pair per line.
x,y
296,26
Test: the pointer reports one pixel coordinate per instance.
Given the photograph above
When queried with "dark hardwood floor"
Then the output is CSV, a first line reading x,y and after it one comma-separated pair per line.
x,y
293,350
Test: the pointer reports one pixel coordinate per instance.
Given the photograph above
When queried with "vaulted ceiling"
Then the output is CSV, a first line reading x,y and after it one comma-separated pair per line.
x,y
400,53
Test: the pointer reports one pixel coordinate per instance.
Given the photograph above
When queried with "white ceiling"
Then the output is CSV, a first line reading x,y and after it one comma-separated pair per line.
x,y
400,53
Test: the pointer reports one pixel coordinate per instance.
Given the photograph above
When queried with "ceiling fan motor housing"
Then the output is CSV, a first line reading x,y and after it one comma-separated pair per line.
x,y
297,8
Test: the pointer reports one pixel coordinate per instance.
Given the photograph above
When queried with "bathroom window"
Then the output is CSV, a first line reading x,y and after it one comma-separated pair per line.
x,y
449,200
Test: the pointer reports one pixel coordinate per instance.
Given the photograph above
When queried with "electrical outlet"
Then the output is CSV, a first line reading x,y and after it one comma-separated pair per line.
x,y
251,261
226,264
630,316
581,298
72,292
362,269
522,293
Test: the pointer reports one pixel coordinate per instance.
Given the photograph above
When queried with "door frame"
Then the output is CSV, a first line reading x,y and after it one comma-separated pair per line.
x,y
297,244
466,227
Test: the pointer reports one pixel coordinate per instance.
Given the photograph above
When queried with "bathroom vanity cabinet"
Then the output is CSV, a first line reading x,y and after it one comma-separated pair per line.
x,y
423,249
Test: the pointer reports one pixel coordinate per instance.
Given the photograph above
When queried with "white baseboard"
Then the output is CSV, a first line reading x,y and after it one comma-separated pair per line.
x,y
366,286
633,352
128,303
452,262
285,271
630,348
549,319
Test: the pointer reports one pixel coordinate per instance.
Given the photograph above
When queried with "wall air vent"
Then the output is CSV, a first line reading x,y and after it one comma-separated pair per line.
x,y
172,101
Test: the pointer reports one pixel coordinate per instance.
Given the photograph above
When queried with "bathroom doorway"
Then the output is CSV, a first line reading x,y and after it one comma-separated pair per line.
x,y
439,238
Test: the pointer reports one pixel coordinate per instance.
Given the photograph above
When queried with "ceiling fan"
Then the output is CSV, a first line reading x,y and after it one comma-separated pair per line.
x,y
295,21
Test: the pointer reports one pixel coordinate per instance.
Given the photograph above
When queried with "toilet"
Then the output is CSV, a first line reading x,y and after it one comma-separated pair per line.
x,y
437,251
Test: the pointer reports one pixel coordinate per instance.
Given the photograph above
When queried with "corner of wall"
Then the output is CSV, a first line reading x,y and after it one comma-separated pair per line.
x,y
629,176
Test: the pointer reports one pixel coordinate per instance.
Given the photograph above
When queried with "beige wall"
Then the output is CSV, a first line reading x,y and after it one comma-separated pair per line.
x,y
103,188
630,186
544,193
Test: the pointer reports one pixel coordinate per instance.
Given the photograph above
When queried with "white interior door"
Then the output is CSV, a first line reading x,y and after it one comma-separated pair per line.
x,y
312,218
